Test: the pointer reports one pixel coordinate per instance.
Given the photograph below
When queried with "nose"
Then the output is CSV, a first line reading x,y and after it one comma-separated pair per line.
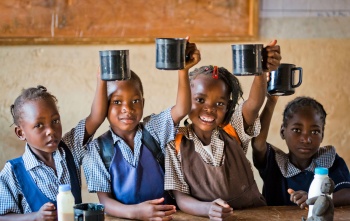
x,y
50,131
306,138
127,108
210,108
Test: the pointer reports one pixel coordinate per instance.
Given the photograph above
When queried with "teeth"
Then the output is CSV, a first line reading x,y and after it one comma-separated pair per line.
x,y
207,119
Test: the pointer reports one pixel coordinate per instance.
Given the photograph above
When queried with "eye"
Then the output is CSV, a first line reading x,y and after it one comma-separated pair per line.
x,y
38,125
315,132
296,130
220,104
58,121
136,101
199,100
117,102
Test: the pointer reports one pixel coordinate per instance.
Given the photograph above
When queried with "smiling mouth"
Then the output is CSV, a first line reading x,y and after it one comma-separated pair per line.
x,y
128,120
207,119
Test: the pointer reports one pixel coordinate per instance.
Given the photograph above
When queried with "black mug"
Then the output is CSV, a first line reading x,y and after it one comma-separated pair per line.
x,y
114,65
282,80
89,212
247,59
170,53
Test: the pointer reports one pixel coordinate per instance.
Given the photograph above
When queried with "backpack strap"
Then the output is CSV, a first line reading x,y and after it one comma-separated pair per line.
x,y
74,181
232,132
105,142
35,198
178,139
153,146
106,145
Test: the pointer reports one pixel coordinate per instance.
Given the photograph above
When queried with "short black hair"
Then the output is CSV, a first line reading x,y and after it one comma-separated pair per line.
x,y
234,87
302,102
29,94
133,77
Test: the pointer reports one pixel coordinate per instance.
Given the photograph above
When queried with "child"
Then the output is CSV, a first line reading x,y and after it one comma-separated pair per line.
x,y
131,183
205,167
29,184
287,177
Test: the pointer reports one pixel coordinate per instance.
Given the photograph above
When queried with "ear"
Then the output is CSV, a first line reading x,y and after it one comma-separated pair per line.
x,y
19,133
282,132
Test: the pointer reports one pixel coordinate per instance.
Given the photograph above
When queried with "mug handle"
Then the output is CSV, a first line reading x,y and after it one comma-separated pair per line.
x,y
300,77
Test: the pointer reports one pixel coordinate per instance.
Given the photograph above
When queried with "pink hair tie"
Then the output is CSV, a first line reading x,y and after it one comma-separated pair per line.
x,y
215,73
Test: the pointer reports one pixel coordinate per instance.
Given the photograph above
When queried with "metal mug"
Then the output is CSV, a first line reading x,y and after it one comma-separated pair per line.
x,y
247,59
89,212
114,65
282,80
170,53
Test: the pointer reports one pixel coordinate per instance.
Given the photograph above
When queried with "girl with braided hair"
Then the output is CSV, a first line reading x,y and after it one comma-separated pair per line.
x,y
29,184
206,166
287,176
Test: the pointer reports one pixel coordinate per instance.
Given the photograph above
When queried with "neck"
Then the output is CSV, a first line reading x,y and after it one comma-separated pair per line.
x,y
203,136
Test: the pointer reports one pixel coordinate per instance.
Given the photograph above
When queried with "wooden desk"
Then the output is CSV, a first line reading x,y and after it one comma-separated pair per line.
x,y
268,213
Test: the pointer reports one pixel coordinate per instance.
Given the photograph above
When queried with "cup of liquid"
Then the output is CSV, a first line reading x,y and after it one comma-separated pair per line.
x,y
170,53
89,212
114,65
284,80
247,59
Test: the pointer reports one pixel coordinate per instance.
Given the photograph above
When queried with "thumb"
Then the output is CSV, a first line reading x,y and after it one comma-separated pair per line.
x,y
156,201
290,191
187,38
222,203
272,43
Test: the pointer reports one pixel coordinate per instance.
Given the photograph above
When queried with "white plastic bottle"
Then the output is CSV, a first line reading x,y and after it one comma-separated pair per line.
x,y
315,188
65,203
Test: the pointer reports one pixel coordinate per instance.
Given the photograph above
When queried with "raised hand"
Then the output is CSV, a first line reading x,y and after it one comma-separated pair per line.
x,y
273,55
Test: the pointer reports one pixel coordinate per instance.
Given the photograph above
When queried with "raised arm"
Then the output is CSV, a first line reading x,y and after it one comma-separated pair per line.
x,y
183,100
259,142
258,89
99,109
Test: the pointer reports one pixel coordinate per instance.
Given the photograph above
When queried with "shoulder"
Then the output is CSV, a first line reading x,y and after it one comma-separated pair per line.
x,y
7,174
325,156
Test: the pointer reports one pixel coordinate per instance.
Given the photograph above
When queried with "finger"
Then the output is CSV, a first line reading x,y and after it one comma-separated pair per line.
x,y
187,38
222,203
163,213
272,43
276,48
165,207
156,201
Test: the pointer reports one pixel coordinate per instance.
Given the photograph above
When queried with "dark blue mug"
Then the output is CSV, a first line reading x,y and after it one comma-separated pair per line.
x,y
283,80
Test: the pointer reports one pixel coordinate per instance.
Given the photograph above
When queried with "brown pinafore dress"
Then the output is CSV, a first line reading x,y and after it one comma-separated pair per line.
x,y
233,181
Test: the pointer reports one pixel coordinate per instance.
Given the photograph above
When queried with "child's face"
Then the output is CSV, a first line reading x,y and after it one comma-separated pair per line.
x,y
40,126
125,107
209,103
303,134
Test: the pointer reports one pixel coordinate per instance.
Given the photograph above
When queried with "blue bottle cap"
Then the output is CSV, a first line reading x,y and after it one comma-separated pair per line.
x,y
64,188
321,171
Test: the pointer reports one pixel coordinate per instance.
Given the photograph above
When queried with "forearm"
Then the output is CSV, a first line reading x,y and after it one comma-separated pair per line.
x,y
190,205
255,100
342,197
259,142
116,208
183,100
18,217
99,109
